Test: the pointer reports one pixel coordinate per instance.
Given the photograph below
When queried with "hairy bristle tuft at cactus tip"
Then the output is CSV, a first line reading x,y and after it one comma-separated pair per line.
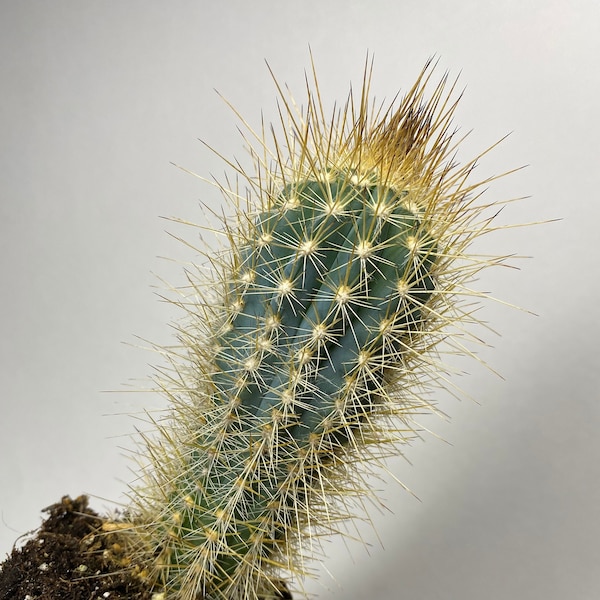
x,y
309,348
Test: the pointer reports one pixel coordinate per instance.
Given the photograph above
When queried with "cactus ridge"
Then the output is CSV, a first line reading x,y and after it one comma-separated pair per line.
x,y
312,348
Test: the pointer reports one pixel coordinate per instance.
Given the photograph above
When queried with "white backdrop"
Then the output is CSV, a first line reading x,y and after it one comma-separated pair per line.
x,y
99,97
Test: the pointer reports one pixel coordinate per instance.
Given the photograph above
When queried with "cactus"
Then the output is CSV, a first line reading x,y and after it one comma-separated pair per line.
x,y
310,347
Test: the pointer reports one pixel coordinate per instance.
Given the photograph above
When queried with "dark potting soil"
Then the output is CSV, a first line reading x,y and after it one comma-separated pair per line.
x,y
69,558
72,557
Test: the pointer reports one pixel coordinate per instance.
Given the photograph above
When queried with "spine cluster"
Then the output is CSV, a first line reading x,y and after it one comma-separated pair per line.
x,y
311,347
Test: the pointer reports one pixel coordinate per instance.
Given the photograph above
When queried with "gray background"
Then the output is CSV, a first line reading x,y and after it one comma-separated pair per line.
x,y
98,97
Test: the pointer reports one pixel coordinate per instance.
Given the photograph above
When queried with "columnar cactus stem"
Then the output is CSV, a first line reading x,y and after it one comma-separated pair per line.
x,y
310,349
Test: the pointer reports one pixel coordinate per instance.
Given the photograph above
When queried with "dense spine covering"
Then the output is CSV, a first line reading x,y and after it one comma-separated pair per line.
x,y
310,350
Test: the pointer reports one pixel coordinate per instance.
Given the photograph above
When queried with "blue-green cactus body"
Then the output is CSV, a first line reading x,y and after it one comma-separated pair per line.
x,y
322,299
